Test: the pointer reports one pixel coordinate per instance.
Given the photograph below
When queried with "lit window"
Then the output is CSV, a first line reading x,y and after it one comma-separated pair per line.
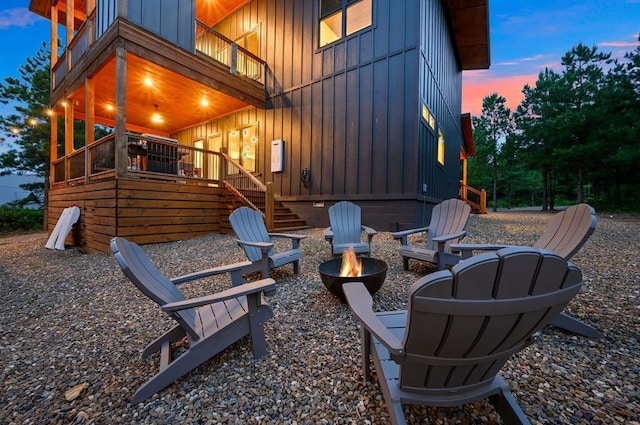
x,y
440,147
428,117
340,18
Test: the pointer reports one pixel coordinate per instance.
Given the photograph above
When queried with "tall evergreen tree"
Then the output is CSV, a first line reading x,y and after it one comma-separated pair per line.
x,y
497,125
28,128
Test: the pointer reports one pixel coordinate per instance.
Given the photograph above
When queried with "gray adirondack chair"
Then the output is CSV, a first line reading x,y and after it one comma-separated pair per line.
x,y
565,234
447,226
248,225
210,323
462,325
346,229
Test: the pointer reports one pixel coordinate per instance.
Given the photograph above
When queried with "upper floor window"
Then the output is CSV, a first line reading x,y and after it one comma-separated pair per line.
x,y
340,18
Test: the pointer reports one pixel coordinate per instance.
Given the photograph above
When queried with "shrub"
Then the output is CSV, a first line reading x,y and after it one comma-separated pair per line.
x,y
20,219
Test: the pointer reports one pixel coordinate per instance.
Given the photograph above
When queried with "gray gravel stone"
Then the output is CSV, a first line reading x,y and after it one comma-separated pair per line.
x,y
70,318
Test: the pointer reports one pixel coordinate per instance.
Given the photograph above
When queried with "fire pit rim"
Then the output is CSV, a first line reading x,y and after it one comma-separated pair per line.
x,y
372,280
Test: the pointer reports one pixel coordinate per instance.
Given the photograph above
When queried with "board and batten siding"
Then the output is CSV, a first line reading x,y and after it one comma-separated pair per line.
x,y
440,90
173,20
350,111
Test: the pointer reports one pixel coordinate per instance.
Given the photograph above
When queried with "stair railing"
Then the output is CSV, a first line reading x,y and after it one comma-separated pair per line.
x,y
477,199
247,188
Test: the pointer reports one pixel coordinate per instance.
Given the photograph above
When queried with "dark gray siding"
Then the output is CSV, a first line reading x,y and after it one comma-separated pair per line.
x,y
351,111
173,20
440,89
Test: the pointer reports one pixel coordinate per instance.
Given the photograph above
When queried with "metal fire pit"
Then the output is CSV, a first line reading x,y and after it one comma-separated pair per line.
x,y
373,273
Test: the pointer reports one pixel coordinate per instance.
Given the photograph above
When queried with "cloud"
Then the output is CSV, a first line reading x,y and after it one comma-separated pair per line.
x,y
17,17
476,87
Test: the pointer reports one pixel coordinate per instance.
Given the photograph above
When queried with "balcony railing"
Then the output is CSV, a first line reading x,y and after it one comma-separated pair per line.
x,y
223,50
146,155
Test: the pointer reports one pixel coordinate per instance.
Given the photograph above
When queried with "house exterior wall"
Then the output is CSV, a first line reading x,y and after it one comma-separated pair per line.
x,y
441,92
350,111
172,20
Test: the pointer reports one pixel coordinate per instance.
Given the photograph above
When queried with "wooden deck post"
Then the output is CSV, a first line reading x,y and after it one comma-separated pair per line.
x,y
483,201
268,206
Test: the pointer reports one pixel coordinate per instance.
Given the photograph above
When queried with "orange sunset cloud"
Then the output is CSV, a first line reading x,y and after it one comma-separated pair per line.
x,y
477,85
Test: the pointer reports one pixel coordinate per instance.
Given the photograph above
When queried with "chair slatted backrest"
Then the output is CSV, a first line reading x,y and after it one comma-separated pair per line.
x,y
480,313
248,225
448,217
346,221
137,266
568,230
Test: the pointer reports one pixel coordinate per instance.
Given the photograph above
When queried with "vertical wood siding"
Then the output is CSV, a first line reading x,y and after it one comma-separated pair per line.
x,y
350,111
173,20
440,89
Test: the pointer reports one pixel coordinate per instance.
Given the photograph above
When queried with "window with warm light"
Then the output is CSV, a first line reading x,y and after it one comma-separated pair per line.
x,y
440,147
341,18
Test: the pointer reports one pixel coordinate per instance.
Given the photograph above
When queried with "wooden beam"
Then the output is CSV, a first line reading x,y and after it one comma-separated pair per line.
x,y
121,112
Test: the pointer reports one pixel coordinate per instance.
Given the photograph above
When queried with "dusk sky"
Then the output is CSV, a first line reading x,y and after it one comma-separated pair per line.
x,y
526,37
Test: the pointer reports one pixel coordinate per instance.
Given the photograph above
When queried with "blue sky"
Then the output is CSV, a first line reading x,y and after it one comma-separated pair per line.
x,y
526,37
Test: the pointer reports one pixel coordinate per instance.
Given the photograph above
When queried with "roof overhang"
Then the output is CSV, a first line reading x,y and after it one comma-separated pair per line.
x,y
467,135
470,27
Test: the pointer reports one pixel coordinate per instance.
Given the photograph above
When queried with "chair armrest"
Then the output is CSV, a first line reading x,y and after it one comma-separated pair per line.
x,y
264,285
235,270
264,246
445,238
360,301
403,234
287,235
467,249
370,231
295,239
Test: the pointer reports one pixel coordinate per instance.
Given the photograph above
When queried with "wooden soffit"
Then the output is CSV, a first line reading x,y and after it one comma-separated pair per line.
x,y
467,135
470,27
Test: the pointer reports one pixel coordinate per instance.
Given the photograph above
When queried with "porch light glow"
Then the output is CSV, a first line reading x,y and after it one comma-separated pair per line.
x,y
49,112
110,107
15,130
32,122
148,82
156,117
204,102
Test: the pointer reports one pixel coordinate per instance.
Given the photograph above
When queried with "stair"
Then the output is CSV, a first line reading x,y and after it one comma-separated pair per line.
x,y
285,221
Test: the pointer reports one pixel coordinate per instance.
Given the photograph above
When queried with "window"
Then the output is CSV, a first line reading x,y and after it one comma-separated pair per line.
x,y
242,146
428,117
440,147
340,18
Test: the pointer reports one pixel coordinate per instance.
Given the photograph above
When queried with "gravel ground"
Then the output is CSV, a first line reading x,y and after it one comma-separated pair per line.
x,y
70,319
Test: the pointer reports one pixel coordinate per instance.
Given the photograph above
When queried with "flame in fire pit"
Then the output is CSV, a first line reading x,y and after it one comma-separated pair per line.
x,y
351,265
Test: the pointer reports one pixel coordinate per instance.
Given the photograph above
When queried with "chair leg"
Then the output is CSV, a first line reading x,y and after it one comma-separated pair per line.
x,y
172,335
365,342
573,325
191,359
296,267
508,408
405,263
258,339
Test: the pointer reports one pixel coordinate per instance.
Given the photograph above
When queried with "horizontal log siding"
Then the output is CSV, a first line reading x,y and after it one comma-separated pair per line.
x,y
143,211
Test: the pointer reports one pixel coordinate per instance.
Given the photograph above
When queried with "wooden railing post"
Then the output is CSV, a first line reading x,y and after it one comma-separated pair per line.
x,y
483,201
268,208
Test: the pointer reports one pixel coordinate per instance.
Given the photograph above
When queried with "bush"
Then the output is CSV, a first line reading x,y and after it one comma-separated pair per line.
x,y
20,219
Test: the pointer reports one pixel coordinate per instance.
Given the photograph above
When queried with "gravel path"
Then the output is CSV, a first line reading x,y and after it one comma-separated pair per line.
x,y
71,319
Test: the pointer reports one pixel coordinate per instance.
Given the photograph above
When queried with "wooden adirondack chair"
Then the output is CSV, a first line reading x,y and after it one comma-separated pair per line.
x,y
210,323
346,229
565,234
448,221
248,225
461,327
